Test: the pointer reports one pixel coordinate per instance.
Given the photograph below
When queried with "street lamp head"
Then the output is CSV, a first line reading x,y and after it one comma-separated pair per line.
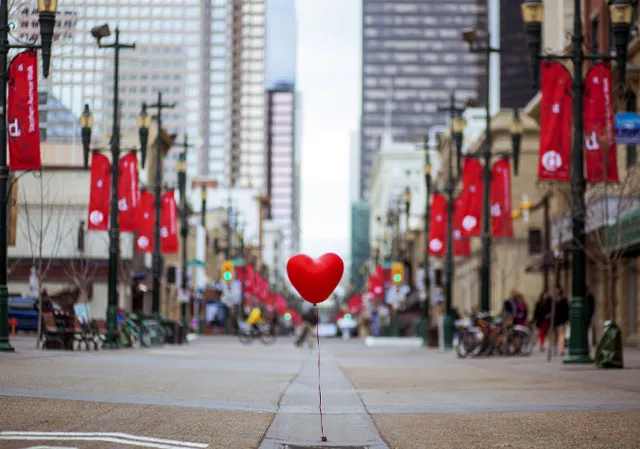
x,y
516,139
533,16
621,12
47,5
144,123
86,122
470,36
47,18
100,32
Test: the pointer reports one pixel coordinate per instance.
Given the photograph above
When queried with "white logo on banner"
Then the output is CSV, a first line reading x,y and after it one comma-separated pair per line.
x,y
495,210
469,222
435,245
96,217
164,232
143,242
122,204
551,160
591,142
555,108
14,129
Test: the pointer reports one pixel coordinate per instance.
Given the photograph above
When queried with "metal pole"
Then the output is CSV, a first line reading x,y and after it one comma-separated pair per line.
x,y
203,209
427,223
5,345
157,256
114,225
578,342
448,264
485,271
184,231
547,243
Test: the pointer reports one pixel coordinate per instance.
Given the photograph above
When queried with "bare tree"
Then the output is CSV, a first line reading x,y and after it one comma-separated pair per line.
x,y
44,228
606,205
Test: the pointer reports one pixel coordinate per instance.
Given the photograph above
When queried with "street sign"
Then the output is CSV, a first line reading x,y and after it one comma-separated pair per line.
x,y
196,263
627,127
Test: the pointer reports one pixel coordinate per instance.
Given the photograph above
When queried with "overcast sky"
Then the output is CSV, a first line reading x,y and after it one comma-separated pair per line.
x,y
329,80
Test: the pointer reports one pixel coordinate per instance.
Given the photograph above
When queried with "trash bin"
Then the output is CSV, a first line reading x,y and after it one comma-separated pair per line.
x,y
609,350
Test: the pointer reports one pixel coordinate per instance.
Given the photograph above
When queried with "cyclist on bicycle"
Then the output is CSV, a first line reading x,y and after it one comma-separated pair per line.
x,y
255,319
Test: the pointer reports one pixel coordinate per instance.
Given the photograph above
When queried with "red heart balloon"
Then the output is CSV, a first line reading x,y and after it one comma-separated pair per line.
x,y
315,279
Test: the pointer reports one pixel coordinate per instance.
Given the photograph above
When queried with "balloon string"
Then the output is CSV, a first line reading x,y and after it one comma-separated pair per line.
x,y
324,438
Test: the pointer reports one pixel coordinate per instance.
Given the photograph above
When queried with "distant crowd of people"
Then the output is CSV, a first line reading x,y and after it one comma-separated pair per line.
x,y
550,316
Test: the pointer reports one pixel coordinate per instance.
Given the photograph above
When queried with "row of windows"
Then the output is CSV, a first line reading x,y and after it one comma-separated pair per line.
x,y
422,8
421,58
447,66
454,44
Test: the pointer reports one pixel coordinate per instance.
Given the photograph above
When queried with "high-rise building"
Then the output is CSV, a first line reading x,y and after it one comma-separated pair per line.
x,y
414,55
233,91
282,117
166,59
282,165
516,88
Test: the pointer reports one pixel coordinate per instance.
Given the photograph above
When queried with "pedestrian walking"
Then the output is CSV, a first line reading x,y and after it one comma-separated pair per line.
x,y
560,319
521,311
541,316
309,321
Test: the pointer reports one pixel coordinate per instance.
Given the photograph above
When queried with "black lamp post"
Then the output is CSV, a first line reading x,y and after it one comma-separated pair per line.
x,y
47,12
427,222
476,45
144,123
621,12
203,208
457,129
184,230
100,33
157,190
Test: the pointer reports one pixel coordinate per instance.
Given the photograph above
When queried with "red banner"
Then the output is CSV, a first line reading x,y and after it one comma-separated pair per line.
x,y
461,245
501,220
438,225
248,283
128,193
471,224
99,193
556,116
599,133
146,221
169,224
23,126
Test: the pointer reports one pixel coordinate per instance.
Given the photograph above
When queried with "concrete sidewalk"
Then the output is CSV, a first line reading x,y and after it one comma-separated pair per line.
x,y
423,398
346,422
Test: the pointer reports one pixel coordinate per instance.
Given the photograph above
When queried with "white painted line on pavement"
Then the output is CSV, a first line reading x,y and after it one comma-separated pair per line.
x,y
112,437
409,342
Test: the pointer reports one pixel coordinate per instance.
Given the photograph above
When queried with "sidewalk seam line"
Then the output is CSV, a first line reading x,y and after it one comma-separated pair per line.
x,y
293,379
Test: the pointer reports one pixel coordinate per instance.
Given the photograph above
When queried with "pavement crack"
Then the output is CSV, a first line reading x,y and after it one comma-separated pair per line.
x,y
284,391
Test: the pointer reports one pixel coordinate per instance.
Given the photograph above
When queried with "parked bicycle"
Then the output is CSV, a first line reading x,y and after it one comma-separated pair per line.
x,y
482,335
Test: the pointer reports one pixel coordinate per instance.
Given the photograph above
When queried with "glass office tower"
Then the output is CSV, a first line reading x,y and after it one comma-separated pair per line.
x,y
412,53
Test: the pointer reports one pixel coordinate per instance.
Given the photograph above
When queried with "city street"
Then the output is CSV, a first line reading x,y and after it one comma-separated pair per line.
x,y
216,393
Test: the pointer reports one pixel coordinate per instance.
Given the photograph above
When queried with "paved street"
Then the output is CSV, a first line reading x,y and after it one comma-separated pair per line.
x,y
215,393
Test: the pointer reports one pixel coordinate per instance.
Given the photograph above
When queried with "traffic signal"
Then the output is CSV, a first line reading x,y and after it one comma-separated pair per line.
x,y
397,273
227,270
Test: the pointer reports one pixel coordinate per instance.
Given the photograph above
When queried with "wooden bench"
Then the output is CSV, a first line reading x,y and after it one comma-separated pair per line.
x,y
51,332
